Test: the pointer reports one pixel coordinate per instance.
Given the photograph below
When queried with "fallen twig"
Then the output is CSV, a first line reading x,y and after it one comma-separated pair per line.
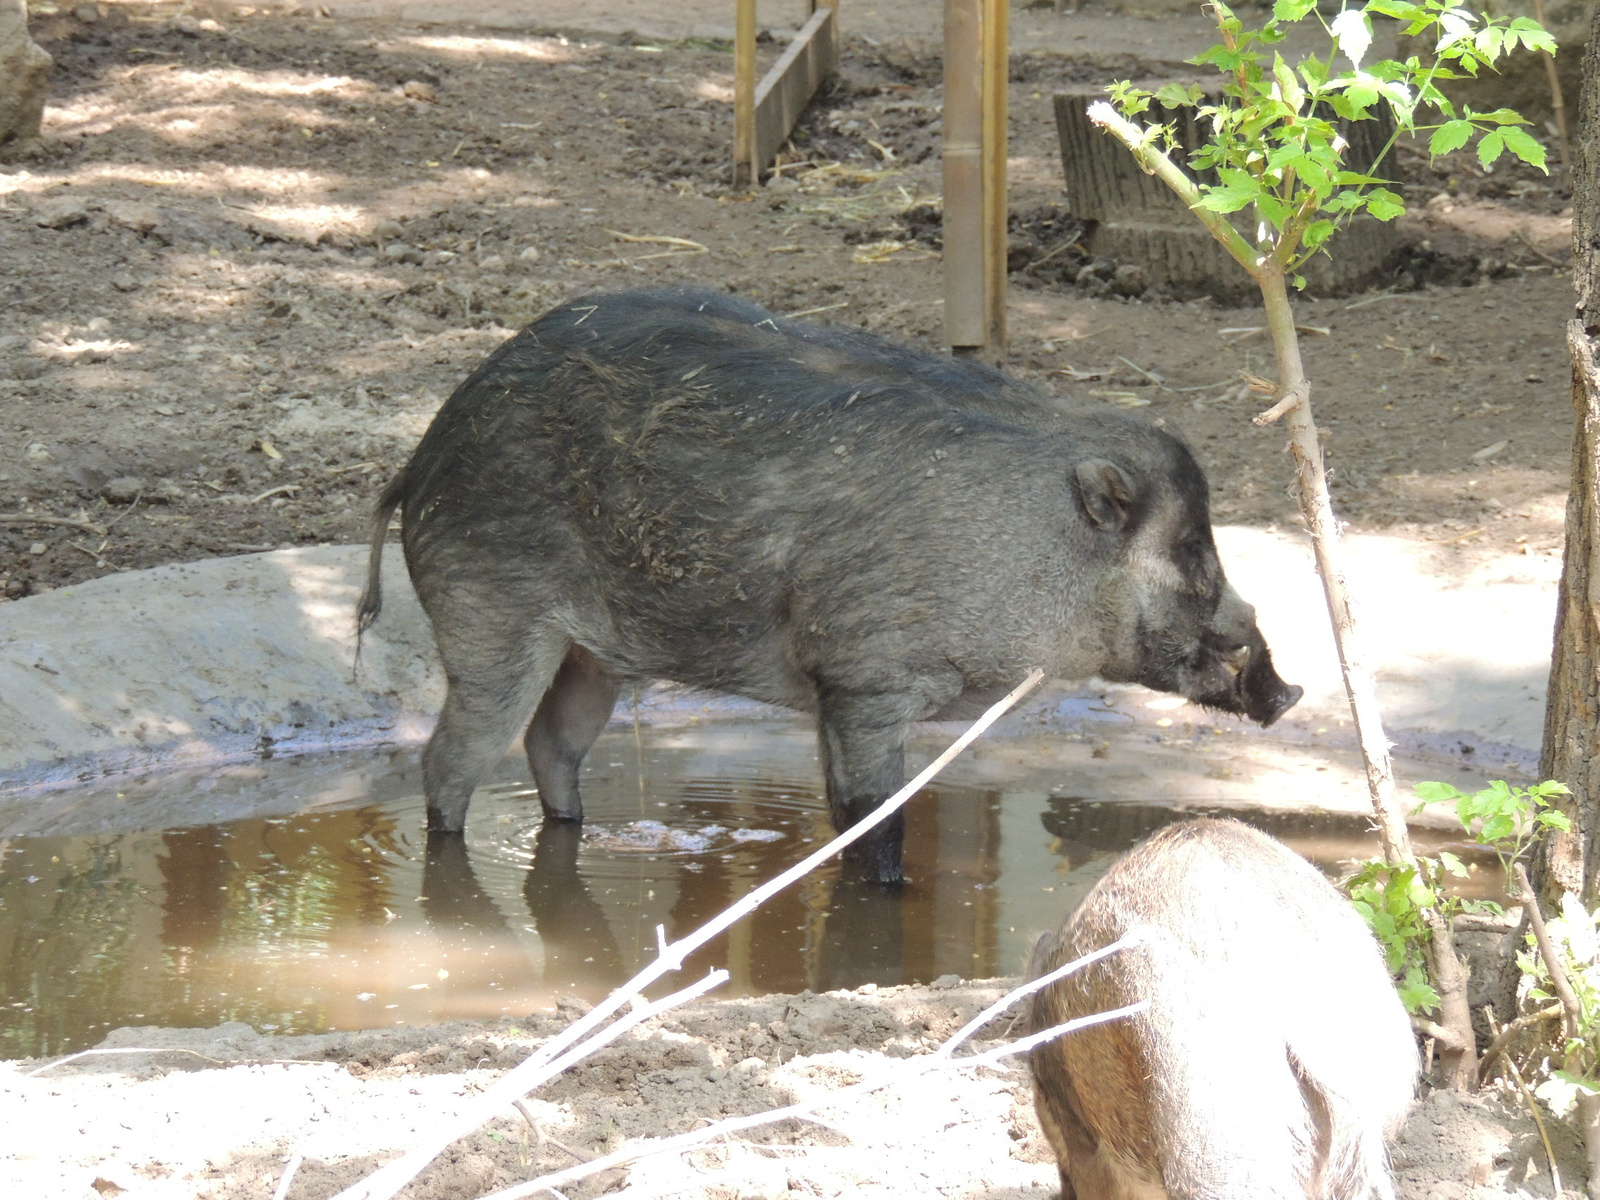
x,y
573,1044
811,312
659,239
281,490
1384,296
61,1062
29,519
904,1071
288,1176
1150,375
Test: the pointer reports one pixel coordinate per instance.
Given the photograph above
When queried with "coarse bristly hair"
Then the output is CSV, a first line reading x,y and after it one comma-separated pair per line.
x,y
1275,1059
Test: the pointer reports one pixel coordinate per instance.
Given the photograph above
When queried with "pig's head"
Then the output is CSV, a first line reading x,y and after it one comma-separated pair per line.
x,y
1176,624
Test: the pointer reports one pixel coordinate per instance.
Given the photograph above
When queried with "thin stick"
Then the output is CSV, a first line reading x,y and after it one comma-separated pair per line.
x,y
1572,1014
61,1062
1503,1038
1134,937
29,519
905,1071
1533,1111
1267,269
288,1176
1558,110
388,1180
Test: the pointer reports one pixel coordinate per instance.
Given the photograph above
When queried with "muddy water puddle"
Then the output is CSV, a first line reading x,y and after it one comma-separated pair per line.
x,y
304,895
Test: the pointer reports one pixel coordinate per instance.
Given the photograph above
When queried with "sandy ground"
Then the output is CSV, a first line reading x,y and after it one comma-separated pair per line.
x,y
219,1123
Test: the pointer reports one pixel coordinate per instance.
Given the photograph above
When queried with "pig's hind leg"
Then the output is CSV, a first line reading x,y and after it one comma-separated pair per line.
x,y
496,673
573,712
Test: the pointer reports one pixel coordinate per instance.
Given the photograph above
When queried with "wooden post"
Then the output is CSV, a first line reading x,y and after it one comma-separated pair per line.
x,y
974,152
765,113
996,115
746,170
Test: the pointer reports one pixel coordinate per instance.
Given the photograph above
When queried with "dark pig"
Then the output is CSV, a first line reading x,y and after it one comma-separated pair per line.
x,y
676,484
1275,1060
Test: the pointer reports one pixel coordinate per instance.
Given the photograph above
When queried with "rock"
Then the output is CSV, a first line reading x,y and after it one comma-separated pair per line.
x,y
61,213
130,214
37,548
400,252
387,231
1128,280
124,489
491,262
945,981
38,454
29,366
89,14
415,89
531,254
124,282
24,75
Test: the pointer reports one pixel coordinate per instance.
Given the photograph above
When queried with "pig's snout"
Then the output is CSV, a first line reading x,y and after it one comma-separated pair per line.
x,y
1263,695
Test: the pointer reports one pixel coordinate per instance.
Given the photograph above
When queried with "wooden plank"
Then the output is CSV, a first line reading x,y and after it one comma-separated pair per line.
x,y
783,95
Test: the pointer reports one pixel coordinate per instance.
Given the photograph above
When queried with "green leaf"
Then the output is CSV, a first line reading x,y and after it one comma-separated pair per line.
x,y
1555,820
1530,34
1178,95
1434,792
1497,828
1316,233
1292,10
1239,190
1491,146
1218,56
1520,143
1398,9
1299,282
1273,209
1289,89
1416,993
1500,116
1452,135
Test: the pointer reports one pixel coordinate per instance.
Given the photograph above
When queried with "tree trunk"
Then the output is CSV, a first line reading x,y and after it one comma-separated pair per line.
x,y
1568,862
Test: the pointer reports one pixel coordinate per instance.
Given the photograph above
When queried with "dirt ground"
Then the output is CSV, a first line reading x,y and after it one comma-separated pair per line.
x,y
256,249
213,1114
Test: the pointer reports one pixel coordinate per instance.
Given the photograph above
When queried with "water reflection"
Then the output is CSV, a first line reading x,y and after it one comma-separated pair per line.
x,y
344,914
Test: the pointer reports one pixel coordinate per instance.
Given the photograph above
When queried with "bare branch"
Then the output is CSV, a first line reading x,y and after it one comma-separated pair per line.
x,y
903,1071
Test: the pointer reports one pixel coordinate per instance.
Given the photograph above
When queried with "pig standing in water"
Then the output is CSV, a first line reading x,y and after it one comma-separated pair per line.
x,y
1275,1059
674,484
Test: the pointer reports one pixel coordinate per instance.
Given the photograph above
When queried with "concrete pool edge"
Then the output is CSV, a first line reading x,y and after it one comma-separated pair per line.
x,y
229,659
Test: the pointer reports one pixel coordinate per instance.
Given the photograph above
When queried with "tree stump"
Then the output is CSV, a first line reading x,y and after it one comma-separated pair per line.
x,y
1135,218
24,74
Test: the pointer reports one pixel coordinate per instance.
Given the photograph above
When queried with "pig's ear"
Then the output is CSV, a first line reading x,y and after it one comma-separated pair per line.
x,y
1107,494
